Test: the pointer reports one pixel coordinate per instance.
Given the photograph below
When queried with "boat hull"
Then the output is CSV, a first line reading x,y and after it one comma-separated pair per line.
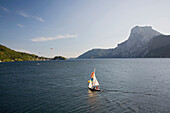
x,y
93,89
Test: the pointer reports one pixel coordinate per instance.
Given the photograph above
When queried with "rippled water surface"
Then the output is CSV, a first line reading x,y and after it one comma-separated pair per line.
x,y
127,85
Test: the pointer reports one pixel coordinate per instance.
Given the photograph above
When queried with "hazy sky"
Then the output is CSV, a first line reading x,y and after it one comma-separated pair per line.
x,y
72,27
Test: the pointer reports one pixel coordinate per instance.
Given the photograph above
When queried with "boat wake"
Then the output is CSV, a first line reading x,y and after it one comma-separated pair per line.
x,y
120,91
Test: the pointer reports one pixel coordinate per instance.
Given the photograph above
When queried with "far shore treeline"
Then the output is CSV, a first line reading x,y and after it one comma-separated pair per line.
x,y
8,55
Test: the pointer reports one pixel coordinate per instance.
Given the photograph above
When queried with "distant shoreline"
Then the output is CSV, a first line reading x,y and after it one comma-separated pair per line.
x,y
84,59
32,61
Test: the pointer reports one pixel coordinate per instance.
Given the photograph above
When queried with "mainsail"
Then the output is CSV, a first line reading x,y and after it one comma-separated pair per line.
x,y
93,80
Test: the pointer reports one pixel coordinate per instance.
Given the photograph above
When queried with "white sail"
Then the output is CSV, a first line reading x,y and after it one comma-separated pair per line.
x,y
90,84
95,82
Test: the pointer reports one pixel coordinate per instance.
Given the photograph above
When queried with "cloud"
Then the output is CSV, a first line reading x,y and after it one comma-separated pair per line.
x,y
26,15
43,39
4,9
39,19
22,13
20,25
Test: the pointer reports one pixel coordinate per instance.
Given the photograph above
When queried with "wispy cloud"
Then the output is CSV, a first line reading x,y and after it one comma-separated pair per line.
x,y
20,25
22,13
4,9
26,15
42,39
39,19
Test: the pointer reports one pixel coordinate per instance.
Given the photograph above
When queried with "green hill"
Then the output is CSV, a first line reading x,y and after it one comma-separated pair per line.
x,y
8,55
59,58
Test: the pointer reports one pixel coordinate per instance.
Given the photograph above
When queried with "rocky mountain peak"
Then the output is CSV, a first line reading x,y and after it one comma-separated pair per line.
x,y
143,32
138,29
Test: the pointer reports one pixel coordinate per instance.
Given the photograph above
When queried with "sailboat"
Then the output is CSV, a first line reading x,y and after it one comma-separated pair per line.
x,y
93,83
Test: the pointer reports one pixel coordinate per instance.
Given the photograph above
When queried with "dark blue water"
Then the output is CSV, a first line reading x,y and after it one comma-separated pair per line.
x,y
127,85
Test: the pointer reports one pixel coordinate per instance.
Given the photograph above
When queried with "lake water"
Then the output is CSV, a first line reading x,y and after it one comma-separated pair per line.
x,y
127,85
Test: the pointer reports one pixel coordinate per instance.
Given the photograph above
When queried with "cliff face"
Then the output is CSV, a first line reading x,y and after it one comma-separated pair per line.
x,y
139,44
158,46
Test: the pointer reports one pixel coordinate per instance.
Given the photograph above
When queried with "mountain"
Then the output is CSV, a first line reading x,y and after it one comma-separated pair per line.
x,y
158,46
142,42
95,53
136,42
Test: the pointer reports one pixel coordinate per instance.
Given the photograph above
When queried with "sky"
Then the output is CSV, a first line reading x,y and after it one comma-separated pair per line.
x,y
71,27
